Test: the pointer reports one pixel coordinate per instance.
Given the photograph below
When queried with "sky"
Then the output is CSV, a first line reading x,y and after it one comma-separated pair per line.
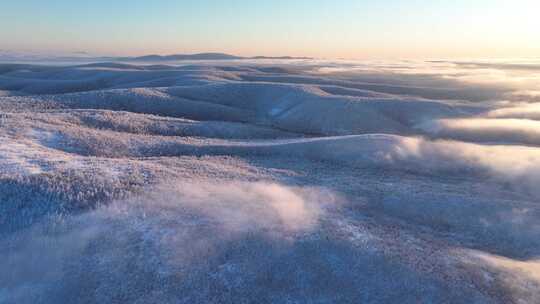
x,y
348,29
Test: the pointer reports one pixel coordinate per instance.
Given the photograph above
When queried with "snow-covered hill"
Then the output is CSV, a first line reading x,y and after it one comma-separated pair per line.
x,y
273,181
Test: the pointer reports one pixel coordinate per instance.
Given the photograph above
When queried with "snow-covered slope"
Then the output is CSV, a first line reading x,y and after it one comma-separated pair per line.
x,y
269,181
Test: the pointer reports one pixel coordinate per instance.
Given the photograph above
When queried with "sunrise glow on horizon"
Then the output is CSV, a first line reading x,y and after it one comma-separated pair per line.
x,y
324,29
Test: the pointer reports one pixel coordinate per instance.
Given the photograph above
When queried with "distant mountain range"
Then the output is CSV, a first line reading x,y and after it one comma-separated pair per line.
x,y
6,56
201,56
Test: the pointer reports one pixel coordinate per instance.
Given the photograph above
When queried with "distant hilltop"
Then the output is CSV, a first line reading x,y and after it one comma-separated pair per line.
x,y
202,56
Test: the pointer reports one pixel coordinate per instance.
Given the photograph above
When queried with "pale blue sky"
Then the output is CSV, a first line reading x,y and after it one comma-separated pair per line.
x,y
320,28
